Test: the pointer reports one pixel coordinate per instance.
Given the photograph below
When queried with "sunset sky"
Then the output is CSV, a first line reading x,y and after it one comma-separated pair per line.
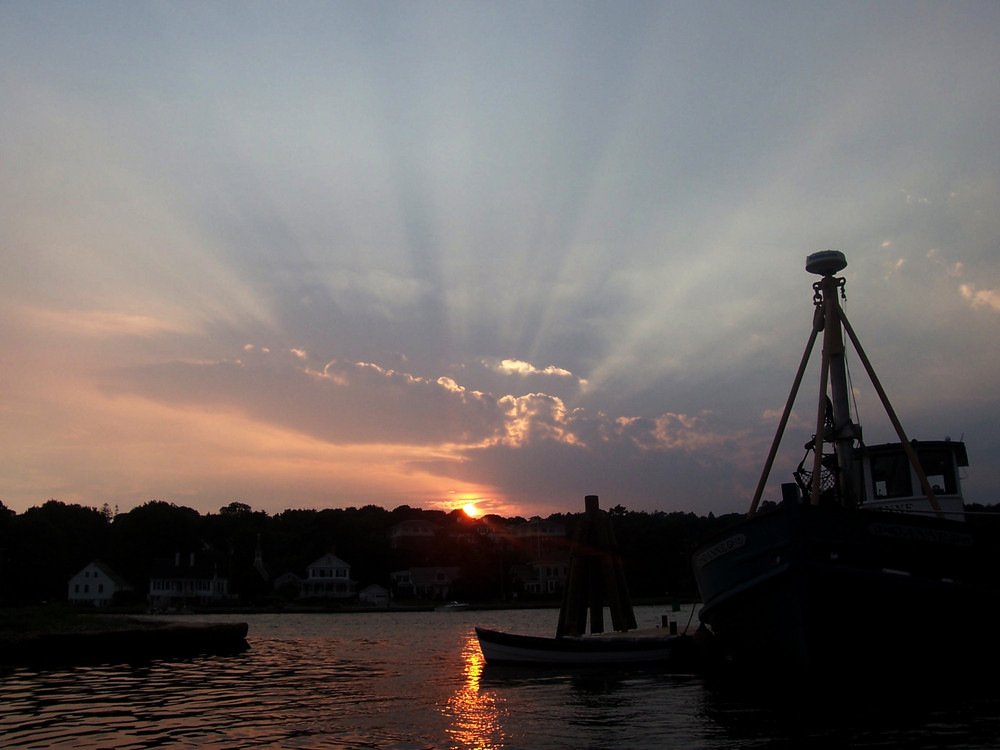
x,y
309,255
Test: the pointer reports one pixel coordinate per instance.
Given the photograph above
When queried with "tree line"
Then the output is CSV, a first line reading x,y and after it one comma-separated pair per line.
x,y
41,548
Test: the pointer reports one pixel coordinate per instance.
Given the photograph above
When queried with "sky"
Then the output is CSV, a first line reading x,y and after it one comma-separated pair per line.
x,y
331,254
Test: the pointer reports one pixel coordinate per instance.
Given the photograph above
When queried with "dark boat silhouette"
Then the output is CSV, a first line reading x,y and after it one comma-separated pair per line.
x,y
878,531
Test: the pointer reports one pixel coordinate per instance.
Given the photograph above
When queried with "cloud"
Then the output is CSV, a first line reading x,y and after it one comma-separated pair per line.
x,y
642,464
519,367
511,252
99,323
989,298
342,403
436,426
362,402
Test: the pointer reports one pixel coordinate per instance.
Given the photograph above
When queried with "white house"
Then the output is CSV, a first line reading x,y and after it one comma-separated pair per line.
x,y
329,577
96,584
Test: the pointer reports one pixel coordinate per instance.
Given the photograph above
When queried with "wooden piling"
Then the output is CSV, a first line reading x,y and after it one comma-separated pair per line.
x,y
596,578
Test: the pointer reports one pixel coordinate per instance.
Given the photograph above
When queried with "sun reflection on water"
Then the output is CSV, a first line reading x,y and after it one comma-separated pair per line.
x,y
475,714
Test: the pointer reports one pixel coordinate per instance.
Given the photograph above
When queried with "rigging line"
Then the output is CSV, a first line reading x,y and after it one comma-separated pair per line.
x,y
854,393
817,324
690,617
847,367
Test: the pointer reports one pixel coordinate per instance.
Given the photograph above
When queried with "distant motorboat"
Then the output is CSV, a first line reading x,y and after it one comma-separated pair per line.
x,y
452,606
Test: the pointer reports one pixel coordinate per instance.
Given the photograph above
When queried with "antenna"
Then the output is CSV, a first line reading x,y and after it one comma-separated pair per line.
x,y
826,262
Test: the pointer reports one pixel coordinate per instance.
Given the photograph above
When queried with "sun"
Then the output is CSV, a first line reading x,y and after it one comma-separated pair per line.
x,y
470,510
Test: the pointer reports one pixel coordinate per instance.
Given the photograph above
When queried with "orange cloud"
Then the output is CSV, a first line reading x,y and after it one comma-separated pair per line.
x,y
99,323
981,297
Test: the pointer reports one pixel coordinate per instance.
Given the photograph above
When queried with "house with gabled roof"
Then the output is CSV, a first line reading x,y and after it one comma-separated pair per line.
x,y
96,585
329,577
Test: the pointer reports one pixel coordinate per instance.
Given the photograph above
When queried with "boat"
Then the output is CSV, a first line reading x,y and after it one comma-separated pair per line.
x,y
880,531
653,647
596,577
452,606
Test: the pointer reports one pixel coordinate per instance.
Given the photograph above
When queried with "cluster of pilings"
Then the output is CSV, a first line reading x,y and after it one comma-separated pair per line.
x,y
596,578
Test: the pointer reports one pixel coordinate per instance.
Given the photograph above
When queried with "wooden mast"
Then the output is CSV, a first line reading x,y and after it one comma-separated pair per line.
x,y
834,367
829,317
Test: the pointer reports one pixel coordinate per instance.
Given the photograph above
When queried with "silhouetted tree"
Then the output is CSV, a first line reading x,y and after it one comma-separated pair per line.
x,y
46,545
42,547
233,534
154,530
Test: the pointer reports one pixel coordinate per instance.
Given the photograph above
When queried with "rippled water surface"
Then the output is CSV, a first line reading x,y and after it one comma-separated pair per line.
x,y
417,680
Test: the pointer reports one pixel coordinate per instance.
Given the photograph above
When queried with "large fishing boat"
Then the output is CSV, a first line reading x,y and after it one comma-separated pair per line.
x,y
870,560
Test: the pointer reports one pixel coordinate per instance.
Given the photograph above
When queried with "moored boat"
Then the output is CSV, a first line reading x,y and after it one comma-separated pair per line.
x,y
596,577
452,606
881,530
610,649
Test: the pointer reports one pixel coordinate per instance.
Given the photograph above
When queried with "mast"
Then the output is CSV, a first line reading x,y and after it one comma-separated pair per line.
x,y
829,318
826,264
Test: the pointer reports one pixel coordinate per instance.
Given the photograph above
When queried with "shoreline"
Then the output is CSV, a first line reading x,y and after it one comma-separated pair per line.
x,y
54,636
295,608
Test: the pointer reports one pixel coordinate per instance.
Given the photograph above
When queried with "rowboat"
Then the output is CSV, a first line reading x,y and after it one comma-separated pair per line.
x,y
652,647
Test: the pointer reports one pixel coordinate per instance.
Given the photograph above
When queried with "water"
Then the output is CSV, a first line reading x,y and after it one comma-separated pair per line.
x,y
418,680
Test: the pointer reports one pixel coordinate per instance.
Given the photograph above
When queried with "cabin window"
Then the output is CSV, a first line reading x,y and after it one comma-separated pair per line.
x,y
940,471
891,475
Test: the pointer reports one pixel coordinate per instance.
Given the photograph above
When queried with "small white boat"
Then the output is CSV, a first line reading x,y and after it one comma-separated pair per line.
x,y
452,607
653,646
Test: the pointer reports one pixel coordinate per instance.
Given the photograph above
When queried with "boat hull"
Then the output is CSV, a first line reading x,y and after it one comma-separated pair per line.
x,y
921,592
611,649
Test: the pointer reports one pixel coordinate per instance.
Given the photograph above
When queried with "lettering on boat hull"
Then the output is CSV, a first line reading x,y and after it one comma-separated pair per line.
x,y
916,534
722,548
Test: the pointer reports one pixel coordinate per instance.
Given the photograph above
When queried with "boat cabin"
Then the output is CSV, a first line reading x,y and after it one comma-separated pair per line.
x,y
888,481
